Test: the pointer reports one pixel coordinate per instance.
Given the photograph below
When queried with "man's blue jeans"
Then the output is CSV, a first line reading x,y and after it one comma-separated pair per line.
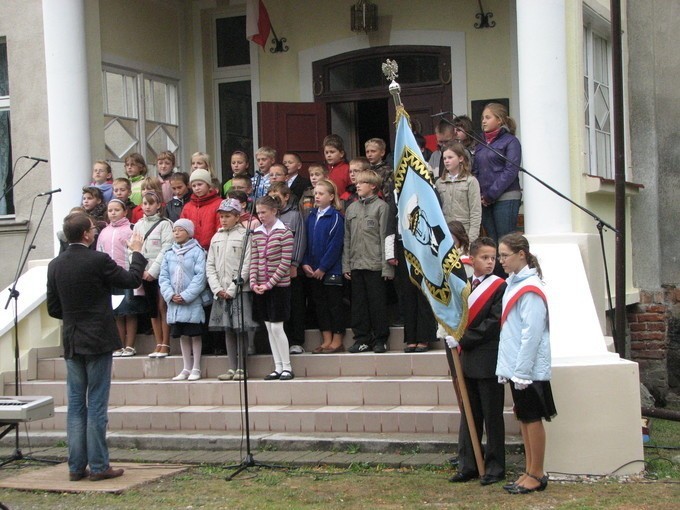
x,y
500,218
88,381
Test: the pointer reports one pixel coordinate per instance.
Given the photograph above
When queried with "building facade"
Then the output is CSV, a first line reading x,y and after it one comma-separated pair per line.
x,y
82,80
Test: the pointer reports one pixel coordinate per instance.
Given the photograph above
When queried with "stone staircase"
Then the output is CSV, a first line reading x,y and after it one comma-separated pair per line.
x,y
394,392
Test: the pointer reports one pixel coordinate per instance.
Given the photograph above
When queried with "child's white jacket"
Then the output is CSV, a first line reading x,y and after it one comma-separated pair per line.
x,y
524,350
224,257
184,275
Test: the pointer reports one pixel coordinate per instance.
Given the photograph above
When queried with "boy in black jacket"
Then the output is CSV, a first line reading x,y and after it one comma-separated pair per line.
x,y
478,359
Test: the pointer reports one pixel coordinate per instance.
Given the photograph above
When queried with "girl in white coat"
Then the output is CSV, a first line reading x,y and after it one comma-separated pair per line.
x,y
227,247
524,356
183,285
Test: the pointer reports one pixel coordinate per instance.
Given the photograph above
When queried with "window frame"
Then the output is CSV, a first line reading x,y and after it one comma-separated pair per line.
x,y
231,74
5,106
596,26
140,79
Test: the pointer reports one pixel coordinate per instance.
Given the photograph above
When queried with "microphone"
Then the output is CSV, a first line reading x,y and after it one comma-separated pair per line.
x,y
39,160
51,192
440,114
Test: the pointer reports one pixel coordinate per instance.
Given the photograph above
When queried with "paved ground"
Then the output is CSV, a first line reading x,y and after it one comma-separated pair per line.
x,y
320,449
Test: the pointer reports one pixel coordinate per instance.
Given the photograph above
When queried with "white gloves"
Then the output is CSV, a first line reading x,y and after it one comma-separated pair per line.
x,y
521,384
450,341
502,380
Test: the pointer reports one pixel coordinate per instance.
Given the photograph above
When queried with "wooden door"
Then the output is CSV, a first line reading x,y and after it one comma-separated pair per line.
x,y
294,127
421,105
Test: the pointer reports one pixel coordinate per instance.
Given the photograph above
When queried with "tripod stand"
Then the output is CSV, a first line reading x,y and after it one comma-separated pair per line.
x,y
600,223
14,295
249,460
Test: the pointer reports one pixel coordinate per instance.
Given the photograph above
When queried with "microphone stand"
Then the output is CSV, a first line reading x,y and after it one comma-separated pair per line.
x,y
242,356
14,295
4,194
600,223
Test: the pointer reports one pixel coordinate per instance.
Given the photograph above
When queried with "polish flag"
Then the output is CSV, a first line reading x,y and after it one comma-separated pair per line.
x,y
258,25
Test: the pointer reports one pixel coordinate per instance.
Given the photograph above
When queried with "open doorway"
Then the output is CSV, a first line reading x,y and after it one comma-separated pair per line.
x,y
373,121
358,121
356,93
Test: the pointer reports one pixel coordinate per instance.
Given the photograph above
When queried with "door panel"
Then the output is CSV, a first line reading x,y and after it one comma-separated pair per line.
x,y
421,105
295,127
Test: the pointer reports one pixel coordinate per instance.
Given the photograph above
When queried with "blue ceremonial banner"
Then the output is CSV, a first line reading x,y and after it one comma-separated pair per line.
x,y
433,262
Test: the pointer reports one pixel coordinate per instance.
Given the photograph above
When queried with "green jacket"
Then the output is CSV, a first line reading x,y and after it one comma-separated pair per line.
x,y
365,233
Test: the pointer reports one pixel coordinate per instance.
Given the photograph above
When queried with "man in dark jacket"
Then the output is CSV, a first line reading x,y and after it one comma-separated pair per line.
x,y
79,283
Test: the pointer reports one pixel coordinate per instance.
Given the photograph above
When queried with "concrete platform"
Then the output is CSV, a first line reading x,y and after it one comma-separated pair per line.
x,y
55,478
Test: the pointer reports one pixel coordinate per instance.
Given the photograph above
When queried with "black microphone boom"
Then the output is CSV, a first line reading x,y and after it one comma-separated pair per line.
x,y
51,192
40,160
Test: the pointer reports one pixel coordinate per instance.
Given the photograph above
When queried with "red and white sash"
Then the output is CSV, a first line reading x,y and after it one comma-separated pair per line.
x,y
512,296
481,295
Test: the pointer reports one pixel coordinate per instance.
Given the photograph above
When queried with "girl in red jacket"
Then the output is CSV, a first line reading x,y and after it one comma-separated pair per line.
x,y
202,207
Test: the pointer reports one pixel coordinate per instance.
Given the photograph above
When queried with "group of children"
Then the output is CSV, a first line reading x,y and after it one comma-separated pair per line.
x,y
276,245
297,252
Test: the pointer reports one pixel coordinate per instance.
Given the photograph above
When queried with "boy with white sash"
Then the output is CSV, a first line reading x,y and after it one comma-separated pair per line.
x,y
479,347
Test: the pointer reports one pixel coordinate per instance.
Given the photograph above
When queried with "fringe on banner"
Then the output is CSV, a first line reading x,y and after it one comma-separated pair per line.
x,y
401,112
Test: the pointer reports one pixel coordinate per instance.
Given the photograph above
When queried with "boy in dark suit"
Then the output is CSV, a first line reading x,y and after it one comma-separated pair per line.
x,y
478,359
79,283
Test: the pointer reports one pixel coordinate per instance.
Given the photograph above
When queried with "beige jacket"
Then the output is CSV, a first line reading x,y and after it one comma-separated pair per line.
x,y
462,201
224,256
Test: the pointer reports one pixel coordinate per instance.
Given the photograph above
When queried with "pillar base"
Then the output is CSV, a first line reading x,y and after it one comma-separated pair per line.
x,y
597,394
598,426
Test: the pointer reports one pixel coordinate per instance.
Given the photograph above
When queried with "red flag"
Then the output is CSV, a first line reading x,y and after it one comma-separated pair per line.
x,y
258,25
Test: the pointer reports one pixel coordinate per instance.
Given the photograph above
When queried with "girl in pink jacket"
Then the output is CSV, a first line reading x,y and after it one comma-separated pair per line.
x,y
113,240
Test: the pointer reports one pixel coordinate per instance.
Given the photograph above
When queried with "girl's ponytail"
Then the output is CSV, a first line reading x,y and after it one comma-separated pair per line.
x,y
270,201
532,261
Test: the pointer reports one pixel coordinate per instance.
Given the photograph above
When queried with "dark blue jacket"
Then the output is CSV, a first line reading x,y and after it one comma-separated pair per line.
x,y
495,175
324,241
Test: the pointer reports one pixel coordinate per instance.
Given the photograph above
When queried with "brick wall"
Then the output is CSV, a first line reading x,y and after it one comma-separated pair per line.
x,y
654,325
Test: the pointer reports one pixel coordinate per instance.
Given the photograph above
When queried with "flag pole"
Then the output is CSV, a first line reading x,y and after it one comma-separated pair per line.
x,y
463,398
390,69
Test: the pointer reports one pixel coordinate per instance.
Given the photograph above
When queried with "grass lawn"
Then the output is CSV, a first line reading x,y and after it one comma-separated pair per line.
x,y
376,488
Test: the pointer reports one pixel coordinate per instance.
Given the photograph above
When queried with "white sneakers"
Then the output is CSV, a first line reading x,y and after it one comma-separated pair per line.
x,y
125,352
232,375
128,351
296,349
182,376
185,375
158,354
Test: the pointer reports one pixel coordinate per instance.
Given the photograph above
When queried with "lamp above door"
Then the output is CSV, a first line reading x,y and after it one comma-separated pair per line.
x,y
364,17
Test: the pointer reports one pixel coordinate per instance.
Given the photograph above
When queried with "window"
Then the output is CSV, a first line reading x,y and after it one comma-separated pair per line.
x,y
146,122
7,201
233,48
233,90
597,98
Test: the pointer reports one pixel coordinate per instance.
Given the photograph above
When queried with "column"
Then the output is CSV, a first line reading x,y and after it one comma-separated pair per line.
x,y
543,122
67,102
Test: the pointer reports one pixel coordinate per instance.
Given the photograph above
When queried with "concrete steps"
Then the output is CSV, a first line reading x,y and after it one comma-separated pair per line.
x,y
354,394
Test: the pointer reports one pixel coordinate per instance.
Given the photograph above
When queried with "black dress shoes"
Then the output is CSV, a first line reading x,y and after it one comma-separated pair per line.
x,y
491,479
519,489
462,477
